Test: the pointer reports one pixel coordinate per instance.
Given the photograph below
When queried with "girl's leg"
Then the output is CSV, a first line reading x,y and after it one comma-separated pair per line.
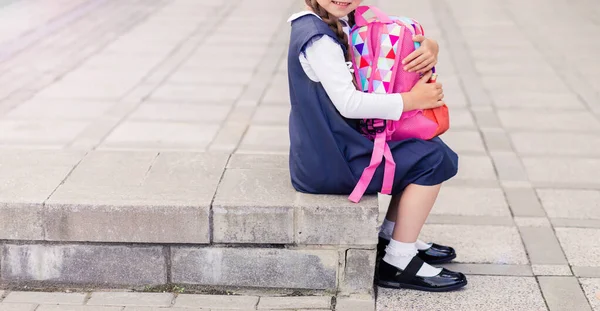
x,y
387,229
415,205
412,210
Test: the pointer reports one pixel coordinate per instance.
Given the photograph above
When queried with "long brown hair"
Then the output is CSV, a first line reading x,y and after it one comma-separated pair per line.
x,y
333,23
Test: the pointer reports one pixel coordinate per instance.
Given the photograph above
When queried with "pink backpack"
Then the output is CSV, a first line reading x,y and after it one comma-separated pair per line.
x,y
378,46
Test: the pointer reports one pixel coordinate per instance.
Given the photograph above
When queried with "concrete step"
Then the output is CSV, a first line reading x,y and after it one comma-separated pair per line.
x,y
117,218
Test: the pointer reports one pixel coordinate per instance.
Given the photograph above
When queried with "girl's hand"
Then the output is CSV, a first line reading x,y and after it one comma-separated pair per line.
x,y
423,58
424,95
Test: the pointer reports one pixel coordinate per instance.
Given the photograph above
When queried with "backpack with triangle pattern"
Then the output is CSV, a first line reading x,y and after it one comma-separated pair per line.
x,y
378,46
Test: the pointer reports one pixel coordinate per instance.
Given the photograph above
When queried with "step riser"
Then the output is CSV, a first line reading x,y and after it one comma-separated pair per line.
x,y
340,270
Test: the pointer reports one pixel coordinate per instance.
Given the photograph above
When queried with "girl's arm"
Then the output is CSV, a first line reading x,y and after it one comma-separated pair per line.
x,y
327,61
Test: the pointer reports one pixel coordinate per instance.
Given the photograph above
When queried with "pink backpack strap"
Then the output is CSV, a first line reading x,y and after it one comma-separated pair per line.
x,y
380,150
360,15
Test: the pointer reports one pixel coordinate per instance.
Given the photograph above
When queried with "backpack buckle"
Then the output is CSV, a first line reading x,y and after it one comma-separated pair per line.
x,y
379,126
372,127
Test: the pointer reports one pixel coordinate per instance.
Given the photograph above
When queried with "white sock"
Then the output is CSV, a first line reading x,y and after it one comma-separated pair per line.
x,y
422,245
400,254
387,230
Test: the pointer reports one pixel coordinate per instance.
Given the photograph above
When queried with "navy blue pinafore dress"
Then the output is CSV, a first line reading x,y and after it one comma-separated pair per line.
x,y
328,154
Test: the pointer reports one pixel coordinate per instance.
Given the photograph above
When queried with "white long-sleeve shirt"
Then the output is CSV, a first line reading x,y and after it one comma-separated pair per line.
x,y
323,61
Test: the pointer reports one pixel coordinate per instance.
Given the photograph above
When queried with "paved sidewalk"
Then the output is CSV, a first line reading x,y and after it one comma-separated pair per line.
x,y
89,77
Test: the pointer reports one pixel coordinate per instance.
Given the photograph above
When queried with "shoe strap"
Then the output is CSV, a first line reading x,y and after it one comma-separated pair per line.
x,y
411,269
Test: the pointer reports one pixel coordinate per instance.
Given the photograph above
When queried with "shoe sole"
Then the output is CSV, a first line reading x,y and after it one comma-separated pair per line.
x,y
396,285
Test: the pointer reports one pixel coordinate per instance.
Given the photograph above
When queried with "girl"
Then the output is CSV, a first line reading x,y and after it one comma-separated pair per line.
x,y
328,154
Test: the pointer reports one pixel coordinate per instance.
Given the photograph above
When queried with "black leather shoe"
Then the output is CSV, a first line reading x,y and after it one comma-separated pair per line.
x,y
392,277
436,254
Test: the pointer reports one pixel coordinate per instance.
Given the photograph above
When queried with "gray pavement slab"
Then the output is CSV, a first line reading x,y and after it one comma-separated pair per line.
x,y
504,246
482,293
563,293
471,202
591,288
577,247
574,204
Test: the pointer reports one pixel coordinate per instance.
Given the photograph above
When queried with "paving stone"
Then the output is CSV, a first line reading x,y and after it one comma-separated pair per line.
x,y
100,88
241,114
577,204
83,308
461,119
509,293
84,264
471,201
496,140
264,138
60,109
258,161
45,298
556,143
586,272
17,167
549,84
551,270
563,293
255,267
130,299
519,99
549,120
181,112
455,99
532,222
355,303
508,166
502,247
278,92
513,68
575,223
523,202
271,114
216,301
198,76
576,244
591,288
486,119
228,138
469,220
255,188
464,141
197,94
40,132
475,168
150,135
558,172
136,197
294,302
358,271
542,245
233,62
19,307
489,269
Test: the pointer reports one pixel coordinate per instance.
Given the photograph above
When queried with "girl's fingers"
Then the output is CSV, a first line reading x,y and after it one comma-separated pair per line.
x,y
422,62
412,59
426,69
